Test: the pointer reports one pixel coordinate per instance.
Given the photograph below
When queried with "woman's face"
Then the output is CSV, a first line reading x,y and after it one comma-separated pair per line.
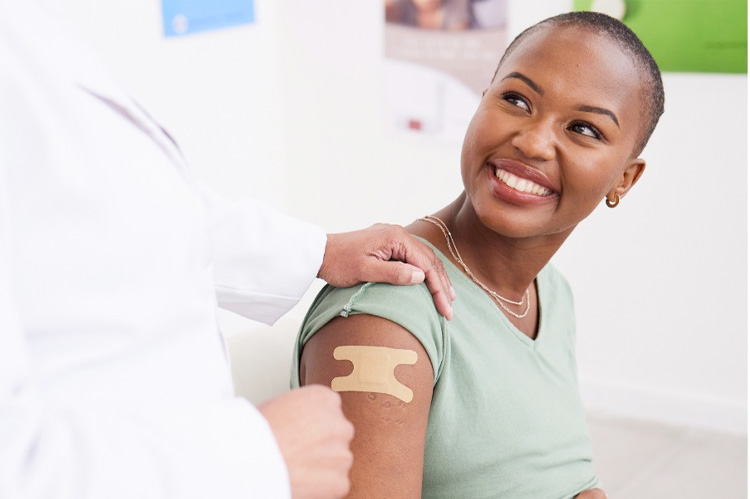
x,y
554,133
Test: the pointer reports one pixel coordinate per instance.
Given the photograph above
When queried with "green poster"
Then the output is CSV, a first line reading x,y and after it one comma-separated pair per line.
x,y
702,36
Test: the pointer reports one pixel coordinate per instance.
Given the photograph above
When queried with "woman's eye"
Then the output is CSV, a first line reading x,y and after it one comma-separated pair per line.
x,y
517,101
586,129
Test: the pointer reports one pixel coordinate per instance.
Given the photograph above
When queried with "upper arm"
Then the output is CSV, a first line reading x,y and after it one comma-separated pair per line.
x,y
389,437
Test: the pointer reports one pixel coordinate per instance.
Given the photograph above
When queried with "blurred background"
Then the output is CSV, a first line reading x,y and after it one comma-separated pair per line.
x,y
294,108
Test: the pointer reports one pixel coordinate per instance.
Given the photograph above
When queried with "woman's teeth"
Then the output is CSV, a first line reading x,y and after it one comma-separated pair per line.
x,y
521,184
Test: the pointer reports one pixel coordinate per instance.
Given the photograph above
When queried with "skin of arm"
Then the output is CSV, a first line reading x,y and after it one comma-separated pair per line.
x,y
592,494
389,437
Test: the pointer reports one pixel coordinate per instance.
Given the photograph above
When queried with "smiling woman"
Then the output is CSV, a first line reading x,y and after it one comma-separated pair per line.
x,y
559,114
494,408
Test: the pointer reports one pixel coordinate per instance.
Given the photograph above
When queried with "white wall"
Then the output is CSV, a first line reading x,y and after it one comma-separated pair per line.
x,y
345,171
291,110
661,282
217,93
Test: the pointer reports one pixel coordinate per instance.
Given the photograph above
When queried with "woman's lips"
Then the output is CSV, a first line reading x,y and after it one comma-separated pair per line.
x,y
521,178
521,184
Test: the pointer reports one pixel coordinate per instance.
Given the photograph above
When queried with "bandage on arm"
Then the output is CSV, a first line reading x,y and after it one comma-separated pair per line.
x,y
376,366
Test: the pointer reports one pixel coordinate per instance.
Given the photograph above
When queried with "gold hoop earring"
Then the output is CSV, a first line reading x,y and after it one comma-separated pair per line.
x,y
612,204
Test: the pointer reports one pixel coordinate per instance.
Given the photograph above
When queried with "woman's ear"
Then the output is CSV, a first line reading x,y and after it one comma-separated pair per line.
x,y
629,177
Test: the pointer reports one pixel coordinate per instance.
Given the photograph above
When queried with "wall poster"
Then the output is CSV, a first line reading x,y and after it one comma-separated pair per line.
x,y
183,17
440,57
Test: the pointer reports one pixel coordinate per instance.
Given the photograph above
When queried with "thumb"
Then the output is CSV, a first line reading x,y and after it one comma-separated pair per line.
x,y
393,272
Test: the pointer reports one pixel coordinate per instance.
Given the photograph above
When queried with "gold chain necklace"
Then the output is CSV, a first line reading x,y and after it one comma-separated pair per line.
x,y
457,256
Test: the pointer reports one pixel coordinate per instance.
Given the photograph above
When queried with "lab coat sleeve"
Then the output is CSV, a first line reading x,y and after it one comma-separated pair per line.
x,y
54,450
264,260
55,447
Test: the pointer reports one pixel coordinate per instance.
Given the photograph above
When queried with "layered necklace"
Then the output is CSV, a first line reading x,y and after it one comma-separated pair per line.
x,y
501,300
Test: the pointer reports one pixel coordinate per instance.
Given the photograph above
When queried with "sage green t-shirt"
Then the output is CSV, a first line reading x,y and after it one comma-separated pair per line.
x,y
506,419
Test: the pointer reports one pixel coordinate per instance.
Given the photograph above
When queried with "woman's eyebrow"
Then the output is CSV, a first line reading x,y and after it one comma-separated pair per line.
x,y
600,110
536,88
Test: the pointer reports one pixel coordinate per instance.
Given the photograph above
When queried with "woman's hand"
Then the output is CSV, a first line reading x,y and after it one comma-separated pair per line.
x,y
592,494
386,253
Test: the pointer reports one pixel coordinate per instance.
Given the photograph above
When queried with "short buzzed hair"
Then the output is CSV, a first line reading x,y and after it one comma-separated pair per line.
x,y
628,41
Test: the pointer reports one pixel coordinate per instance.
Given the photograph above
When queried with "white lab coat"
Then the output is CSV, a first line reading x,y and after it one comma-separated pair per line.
x,y
114,379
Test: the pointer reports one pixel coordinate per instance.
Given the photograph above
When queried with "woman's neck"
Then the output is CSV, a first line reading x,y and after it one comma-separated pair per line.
x,y
506,265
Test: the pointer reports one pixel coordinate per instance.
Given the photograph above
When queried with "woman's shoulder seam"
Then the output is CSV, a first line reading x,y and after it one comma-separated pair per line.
x,y
356,296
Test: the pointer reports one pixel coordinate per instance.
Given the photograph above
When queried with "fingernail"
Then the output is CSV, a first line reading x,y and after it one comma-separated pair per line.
x,y
453,293
449,315
416,277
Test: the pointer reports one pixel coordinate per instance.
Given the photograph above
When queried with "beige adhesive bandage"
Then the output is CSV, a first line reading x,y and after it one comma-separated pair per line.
x,y
374,370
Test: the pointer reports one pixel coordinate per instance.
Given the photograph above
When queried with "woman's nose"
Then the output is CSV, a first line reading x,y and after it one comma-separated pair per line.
x,y
536,141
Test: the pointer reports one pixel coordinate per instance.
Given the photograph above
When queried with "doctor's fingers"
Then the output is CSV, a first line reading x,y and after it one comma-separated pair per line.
x,y
401,274
421,264
323,471
385,253
314,437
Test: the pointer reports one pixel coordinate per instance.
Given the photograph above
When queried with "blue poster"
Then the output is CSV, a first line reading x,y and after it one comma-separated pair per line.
x,y
183,17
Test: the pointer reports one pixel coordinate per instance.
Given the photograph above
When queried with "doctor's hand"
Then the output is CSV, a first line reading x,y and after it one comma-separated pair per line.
x,y
386,253
314,436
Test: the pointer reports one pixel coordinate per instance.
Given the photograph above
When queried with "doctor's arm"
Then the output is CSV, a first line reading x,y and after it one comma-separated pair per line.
x,y
264,260
55,444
